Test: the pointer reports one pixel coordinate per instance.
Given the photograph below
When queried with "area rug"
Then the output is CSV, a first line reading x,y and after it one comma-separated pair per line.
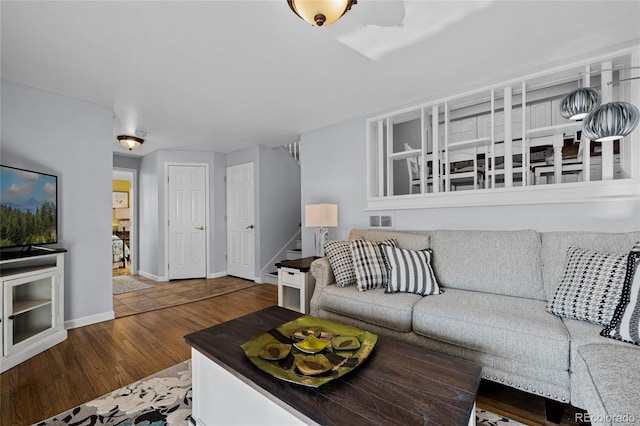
x,y
161,399
165,399
125,284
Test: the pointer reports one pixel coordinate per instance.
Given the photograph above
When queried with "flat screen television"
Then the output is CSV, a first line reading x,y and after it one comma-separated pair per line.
x,y
28,208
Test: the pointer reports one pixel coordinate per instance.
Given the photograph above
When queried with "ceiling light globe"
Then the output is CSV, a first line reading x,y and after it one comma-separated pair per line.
x,y
577,104
611,121
130,142
320,12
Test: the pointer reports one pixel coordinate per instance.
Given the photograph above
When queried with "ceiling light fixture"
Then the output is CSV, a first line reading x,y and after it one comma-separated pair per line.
x,y
577,104
320,12
130,142
611,121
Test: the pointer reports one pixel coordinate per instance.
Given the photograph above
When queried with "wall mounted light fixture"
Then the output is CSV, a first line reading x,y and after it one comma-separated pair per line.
x,y
320,12
130,142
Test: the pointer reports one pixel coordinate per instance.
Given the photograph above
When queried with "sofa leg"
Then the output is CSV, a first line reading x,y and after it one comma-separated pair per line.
x,y
554,410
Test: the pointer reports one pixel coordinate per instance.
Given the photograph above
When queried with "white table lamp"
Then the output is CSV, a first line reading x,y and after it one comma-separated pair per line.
x,y
321,216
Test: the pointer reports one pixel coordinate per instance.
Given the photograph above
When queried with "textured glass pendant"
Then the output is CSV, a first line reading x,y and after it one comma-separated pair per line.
x,y
611,121
577,104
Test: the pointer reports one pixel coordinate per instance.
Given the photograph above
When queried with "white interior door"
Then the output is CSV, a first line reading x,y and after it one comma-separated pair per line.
x,y
240,222
187,222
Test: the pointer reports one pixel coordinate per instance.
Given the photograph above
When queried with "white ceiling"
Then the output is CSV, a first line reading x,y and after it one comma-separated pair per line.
x,y
225,75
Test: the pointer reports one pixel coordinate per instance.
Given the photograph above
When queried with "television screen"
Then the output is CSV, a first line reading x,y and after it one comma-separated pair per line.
x,y
28,207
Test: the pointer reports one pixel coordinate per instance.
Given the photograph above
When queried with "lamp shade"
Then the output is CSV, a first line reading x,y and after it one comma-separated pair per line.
x,y
130,142
577,104
320,12
123,213
611,121
321,215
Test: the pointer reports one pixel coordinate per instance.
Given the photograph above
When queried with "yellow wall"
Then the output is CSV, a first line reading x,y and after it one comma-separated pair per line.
x,y
119,186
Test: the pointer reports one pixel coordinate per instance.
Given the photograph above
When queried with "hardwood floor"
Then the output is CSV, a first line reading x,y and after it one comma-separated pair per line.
x,y
171,293
102,357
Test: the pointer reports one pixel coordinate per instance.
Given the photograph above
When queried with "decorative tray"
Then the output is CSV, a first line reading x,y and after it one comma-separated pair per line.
x,y
311,345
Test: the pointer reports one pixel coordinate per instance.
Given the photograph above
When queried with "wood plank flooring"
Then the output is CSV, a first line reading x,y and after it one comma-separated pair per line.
x,y
102,357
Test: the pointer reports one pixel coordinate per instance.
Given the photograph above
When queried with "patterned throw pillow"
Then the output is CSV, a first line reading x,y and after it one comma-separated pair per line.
x,y
410,271
625,325
370,269
591,286
339,254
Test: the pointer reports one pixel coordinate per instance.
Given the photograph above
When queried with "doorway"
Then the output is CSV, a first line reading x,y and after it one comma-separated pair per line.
x,y
240,221
122,214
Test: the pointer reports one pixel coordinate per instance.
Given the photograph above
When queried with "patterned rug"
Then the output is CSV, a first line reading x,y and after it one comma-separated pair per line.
x,y
125,284
161,399
165,399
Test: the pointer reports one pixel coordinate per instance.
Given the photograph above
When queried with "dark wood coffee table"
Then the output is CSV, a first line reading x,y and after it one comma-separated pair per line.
x,y
398,384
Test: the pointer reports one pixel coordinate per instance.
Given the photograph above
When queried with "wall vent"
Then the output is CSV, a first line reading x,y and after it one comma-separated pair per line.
x,y
381,221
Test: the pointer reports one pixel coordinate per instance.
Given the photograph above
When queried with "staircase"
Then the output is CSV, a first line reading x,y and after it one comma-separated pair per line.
x,y
294,253
294,150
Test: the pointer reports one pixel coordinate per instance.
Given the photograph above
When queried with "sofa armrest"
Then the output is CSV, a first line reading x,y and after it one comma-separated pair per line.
x,y
322,272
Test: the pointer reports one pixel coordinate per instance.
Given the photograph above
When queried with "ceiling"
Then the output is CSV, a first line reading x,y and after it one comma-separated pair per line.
x,y
226,75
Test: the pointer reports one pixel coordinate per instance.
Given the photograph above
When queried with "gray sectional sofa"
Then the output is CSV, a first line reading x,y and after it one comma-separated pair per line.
x,y
496,285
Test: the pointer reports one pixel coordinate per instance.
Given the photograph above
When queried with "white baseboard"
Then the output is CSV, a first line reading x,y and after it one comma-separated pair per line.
x,y
153,277
217,275
258,280
91,319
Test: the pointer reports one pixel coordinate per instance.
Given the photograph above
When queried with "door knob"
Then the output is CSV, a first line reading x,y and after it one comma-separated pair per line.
x,y
200,228
249,227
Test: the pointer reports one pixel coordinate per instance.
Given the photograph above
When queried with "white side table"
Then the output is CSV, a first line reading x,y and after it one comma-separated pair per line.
x,y
295,284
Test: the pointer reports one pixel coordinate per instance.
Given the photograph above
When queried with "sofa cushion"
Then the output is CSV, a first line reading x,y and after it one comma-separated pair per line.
x,y
583,333
514,328
500,262
370,269
339,254
392,311
409,271
556,244
412,240
615,374
591,286
625,325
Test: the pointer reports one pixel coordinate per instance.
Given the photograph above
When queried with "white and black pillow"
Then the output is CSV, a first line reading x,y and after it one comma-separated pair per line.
x,y
339,254
625,325
409,271
591,286
368,264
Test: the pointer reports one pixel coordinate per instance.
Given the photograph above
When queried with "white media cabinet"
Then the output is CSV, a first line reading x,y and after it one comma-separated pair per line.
x,y
31,304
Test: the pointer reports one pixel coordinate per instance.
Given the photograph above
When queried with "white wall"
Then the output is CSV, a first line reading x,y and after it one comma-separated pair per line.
x,y
74,140
333,171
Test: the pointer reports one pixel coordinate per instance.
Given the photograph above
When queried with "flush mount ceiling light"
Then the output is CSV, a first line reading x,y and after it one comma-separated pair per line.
x,y
611,121
577,104
320,12
130,142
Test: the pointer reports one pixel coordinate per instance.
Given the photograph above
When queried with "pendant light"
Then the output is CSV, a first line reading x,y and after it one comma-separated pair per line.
x,y
130,142
611,121
577,104
320,12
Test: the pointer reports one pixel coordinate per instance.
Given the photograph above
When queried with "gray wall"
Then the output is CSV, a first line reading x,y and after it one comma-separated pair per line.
x,y
73,140
152,207
334,171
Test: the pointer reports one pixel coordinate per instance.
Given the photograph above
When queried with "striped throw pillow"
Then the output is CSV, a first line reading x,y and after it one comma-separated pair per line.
x,y
625,325
409,271
368,264
591,287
